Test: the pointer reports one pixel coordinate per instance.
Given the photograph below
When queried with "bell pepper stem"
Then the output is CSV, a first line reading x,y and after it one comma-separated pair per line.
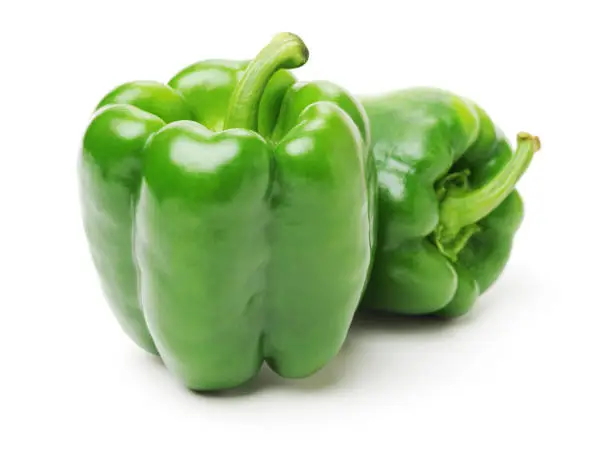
x,y
285,51
463,208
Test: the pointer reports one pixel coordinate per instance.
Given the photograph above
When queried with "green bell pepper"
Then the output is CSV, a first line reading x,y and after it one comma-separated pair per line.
x,y
230,215
448,207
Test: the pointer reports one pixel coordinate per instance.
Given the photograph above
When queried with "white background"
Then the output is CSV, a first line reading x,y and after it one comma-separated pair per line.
x,y
528,369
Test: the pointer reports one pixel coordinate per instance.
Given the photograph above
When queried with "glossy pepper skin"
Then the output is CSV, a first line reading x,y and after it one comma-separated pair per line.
x,y
448,209
230,215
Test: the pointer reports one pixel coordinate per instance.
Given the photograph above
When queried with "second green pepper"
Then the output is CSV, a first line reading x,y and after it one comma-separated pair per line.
x,y
448,209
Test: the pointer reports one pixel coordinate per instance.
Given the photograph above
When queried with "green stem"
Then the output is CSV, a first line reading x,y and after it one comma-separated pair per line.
x,y
285,51
462,208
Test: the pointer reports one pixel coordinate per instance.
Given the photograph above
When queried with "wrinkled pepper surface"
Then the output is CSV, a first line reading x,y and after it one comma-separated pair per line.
x,y
448,207
230,215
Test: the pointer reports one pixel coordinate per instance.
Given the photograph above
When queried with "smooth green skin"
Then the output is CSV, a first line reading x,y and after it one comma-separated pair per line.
x,y
242,246
419,137
109,174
